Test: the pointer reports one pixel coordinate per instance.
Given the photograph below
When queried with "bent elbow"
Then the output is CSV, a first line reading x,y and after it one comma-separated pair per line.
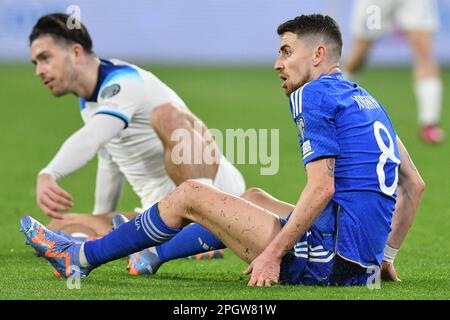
x,y
325,192
417,184
420,185
329,193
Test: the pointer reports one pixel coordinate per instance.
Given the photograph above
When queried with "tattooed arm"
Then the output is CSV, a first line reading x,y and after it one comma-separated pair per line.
x,y
410,190
330,166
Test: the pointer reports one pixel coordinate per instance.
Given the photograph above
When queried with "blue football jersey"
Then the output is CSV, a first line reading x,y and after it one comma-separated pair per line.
x,y
337,118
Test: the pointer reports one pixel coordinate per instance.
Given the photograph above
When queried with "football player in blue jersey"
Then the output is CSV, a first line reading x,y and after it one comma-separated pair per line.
x,y
359,175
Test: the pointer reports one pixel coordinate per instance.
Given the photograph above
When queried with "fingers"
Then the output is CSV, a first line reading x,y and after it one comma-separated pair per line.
x,y
52,199
63,195
270,282
61,204
253,280
262,280
50,205
388,272
248,270
50,212
392,274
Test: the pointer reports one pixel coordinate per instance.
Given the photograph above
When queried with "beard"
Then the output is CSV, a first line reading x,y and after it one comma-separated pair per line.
x,y
58,91
305,79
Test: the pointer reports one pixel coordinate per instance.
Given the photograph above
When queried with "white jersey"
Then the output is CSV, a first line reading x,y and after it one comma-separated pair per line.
x,y
131,94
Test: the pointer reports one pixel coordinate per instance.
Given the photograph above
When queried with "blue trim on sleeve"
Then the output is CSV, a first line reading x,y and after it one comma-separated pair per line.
x,y
116,114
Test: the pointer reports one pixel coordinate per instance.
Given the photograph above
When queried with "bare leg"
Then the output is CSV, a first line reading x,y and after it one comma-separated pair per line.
x,y
425,64
264,200
358,56
91,225
100,225
244,227
427,83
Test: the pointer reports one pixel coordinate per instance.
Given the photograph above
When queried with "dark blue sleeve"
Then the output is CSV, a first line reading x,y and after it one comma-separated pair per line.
x,y
315,119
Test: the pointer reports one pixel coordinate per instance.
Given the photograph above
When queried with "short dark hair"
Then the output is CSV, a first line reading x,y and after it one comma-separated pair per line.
x,y
314,24
55,25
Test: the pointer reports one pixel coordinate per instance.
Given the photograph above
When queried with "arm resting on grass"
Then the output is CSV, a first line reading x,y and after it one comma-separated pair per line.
x,y
410,189
316,195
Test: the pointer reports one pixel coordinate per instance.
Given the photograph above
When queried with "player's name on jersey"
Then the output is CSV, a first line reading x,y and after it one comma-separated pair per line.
x,y
366,102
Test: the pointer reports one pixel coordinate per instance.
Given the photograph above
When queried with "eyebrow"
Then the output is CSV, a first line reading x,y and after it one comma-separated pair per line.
x,y
39,56
284,47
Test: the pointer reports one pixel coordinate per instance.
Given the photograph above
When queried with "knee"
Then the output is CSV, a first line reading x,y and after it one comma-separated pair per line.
x,y
184,200
191,188
254,194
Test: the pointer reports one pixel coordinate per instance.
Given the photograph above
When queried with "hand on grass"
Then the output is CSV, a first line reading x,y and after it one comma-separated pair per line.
x,y
51,198
265,270
388,272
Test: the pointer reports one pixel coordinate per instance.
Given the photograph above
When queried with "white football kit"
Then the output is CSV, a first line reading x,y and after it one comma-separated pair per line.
x,y
118,128
374,18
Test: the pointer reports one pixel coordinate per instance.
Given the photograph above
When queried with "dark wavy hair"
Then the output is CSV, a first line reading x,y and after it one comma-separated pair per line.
x,y
55,25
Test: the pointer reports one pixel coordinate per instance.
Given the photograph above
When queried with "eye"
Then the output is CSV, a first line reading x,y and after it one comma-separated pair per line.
x,y
287,52
45,58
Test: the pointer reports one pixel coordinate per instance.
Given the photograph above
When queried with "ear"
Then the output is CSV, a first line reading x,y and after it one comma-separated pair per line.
x,y
77,52
319,55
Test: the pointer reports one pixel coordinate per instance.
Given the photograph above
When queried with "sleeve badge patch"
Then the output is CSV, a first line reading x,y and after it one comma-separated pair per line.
x,y
110,91
301,128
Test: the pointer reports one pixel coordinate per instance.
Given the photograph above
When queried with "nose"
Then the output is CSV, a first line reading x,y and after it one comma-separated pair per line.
x,y
278,66
39,70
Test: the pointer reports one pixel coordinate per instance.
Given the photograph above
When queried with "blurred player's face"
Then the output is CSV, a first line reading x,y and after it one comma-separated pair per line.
x,y
294,62
54,65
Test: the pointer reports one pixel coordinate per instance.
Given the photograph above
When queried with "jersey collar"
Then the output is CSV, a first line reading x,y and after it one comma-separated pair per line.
x,y
336,75
103,70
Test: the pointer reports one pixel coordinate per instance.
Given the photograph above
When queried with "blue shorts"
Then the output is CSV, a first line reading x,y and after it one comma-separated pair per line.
x,y
313,261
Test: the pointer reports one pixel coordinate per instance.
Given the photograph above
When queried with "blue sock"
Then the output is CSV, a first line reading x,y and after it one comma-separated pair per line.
x,y
146,230
191,240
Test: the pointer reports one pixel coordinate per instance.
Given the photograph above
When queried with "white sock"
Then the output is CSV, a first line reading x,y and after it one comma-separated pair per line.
x,y
153,250
429,96
83,261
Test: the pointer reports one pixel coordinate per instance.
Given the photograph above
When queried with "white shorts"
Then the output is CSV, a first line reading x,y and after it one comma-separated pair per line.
x,y
227,179
374,18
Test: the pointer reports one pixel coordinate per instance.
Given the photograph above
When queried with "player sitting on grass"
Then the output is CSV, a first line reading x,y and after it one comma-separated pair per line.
x,y
130,117
342,220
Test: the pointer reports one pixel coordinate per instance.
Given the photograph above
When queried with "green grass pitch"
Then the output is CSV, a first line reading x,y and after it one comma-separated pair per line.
x,y
34,124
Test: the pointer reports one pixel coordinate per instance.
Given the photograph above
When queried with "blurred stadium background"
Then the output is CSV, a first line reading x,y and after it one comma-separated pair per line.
x,y
195,32
218,55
